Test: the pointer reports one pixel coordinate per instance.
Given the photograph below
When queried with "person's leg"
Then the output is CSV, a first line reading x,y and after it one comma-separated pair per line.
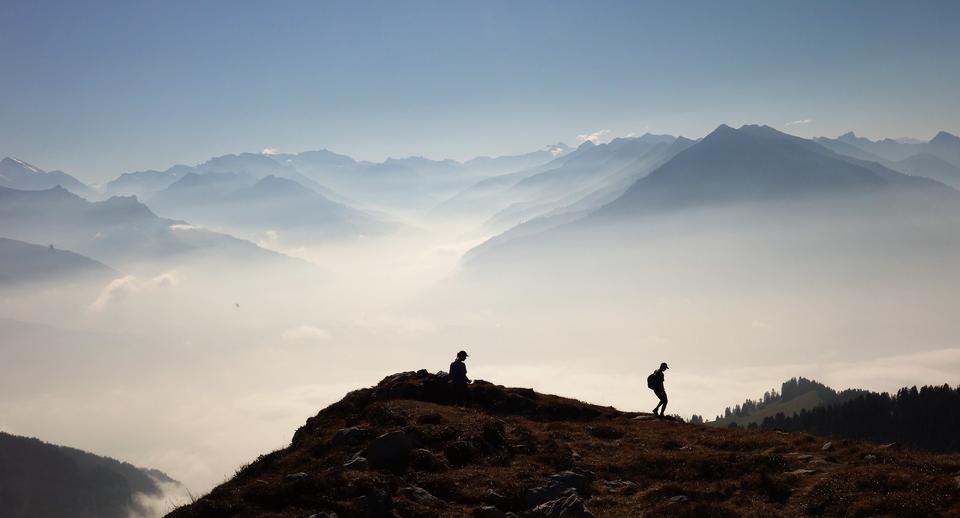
x,y
662,405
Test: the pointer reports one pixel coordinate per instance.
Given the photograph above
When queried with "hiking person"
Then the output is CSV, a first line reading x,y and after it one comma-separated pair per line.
x,y
655,382
459,379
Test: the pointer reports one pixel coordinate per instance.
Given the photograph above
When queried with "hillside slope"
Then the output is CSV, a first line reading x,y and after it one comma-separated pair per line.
x,y
399,449
22,263
41,480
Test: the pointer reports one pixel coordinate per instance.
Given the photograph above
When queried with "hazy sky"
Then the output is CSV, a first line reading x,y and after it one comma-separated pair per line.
x,y
99,88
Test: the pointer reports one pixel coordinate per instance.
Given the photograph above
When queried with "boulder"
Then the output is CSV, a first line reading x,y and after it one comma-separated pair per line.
x,y
349,436
323,515
679,499
541,494
569,505
827,446
421,496
492,497
390,451
357,462
579,480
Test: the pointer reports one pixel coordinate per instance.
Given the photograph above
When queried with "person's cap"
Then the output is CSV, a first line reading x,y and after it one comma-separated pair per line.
x,y
462,353
664,365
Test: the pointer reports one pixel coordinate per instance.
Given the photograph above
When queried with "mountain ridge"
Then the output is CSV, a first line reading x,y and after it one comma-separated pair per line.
x,y
402,449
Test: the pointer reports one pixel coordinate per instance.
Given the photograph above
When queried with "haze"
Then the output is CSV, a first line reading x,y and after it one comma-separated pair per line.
x,y
627,211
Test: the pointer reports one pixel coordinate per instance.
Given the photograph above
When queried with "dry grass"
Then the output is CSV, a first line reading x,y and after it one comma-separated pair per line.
x,y
476,451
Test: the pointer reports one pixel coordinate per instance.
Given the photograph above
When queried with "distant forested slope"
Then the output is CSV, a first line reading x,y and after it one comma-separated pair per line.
x,y
40,480
795,395
927,418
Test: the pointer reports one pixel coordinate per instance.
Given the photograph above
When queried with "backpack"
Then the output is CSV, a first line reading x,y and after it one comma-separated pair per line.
x,y
652,380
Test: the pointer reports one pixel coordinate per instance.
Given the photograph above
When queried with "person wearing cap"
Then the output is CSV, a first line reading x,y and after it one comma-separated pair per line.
x,y
655,382
459,379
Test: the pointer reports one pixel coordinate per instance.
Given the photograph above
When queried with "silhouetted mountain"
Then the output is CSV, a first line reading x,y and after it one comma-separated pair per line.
x,y
145,183
23,263
584,187
402,449
750,181
511,163
252,164
241,203
945,146
887,149
524,195
40,480
196,189
119,230
760,164
545,216
482,196
17,174
930,166
891,152
848,149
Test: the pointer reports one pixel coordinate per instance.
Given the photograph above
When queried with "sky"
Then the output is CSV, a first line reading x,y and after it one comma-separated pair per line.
x,y
105,87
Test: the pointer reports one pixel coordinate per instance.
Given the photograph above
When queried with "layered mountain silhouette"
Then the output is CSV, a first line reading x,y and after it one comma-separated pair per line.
x,y
17,174
242,202
118,231
24,263
143,184
402,448
41,480
760,164
586,178
936,159
755,169
931,166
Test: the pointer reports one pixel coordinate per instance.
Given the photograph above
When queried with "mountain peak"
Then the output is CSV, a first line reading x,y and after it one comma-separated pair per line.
x,y
403,448
9,162
945,138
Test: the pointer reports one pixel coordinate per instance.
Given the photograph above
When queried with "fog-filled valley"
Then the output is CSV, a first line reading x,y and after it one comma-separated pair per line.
x,y
190,318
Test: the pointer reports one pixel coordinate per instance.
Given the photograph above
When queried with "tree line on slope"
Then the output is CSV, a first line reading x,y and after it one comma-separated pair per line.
x,y
927,418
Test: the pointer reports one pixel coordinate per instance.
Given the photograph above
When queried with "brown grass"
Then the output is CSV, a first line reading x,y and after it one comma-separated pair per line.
x,y
508,447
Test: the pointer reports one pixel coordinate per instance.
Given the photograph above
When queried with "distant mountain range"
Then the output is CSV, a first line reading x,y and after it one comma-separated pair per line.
x,y
585,178
240,202
17,174
758,164
750,166
41,480
938,159
396,183
119,231
22,263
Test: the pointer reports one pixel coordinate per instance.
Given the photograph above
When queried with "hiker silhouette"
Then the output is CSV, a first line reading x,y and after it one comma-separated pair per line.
x,y
655,382
459,379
